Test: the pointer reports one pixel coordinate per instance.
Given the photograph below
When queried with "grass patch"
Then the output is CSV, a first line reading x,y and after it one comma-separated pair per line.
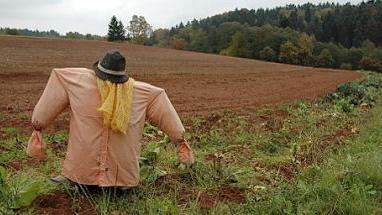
x,y
10,131
349,182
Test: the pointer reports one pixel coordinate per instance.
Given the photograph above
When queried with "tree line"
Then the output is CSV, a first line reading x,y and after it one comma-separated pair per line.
x,y
50,33
324,35
27,32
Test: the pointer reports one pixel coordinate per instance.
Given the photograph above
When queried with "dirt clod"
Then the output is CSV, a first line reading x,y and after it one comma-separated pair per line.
x,y
62,203
289,171
226,193
20,164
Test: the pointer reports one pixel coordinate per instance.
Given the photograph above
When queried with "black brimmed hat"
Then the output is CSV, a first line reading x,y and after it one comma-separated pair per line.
x,y
112,68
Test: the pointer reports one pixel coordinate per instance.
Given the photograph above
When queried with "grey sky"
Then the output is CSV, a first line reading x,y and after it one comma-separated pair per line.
x,y
92,16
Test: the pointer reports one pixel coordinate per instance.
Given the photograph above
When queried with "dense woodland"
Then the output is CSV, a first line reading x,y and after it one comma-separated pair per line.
x,y
325,35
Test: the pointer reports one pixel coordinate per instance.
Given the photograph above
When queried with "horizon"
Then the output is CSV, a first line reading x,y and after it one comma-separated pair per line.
x,y
98,26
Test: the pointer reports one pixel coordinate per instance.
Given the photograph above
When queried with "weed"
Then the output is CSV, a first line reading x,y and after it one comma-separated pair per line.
x,y
12,149
23,116
10,131
19,190
344,105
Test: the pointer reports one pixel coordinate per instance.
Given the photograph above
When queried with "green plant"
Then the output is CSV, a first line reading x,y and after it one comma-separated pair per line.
x,y
352,90
150,130
356,92
373,80
344,105
302,108
20,192
10,131
13,149
149,170
59,137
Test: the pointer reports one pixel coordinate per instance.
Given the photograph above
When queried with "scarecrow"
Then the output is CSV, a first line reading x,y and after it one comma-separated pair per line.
x,y
108,110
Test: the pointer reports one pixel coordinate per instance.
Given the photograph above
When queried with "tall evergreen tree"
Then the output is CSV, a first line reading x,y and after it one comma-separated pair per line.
x,y
283,21
113,29
329,26
181,25
347,24
293,19
116,30
121,31
308,14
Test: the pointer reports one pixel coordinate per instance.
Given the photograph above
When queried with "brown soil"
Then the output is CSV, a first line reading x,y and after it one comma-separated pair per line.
x,y
172,182
62,203
20,164
226,193
211,120
272,114
312,153
289,171
272,119
182,185
210,157
195,82
341,133
24,126
58,147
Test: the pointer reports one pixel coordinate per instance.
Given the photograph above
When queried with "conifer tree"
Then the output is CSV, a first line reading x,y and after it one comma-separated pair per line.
x,y
116,30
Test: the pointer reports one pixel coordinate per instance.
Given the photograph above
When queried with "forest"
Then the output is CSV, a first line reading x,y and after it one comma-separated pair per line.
x,y
324,35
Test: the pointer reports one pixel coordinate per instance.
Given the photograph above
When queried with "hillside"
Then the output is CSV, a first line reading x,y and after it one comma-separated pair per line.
x,y
208,82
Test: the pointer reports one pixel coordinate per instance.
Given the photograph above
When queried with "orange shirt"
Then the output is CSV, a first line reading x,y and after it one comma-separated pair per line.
x,y
98,155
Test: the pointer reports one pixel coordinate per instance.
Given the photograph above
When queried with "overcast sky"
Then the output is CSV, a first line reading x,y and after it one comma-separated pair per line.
x,y
92,16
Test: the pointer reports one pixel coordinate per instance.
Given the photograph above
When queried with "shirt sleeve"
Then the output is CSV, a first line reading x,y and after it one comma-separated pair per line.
x,y
52,102
162,113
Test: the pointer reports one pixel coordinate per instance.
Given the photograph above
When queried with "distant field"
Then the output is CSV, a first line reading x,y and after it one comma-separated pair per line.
x,y
195,82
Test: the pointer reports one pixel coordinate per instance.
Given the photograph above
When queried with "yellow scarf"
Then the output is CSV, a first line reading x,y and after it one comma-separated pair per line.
x,y
116,104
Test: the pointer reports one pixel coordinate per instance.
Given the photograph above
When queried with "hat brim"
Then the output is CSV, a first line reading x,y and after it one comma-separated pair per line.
x,y
117,79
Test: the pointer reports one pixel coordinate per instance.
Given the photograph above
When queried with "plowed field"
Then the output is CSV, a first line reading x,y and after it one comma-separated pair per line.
x,y
195,82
